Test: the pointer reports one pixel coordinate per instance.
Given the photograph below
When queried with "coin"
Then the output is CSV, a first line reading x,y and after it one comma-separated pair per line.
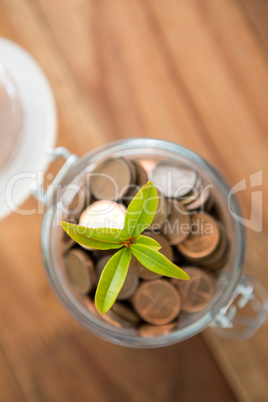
x,y
145,273
132,169
100,264
90,305
203,238
103,214
126,312
151,331
133,190
142,177
177,227
161,212
220,250
193,194
209,203
165,247
219,264
70,219
73,200
199,197
141,271
116,320
79,270
111,317
131,282
172,179
200,201
67,245
111,179
197,292
157,302
130,285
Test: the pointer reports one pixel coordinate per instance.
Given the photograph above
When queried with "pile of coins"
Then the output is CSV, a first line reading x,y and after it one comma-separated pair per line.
x,y
186,225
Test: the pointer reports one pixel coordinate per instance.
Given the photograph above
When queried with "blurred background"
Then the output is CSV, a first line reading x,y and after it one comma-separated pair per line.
x,y
194,72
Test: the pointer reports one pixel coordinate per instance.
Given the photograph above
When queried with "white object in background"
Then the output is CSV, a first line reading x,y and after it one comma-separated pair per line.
x,y
25,97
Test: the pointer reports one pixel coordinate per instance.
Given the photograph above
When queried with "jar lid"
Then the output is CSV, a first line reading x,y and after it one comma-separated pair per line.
x,y
28,124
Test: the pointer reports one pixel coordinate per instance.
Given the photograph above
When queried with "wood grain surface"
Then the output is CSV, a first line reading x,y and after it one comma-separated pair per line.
x,y
193,72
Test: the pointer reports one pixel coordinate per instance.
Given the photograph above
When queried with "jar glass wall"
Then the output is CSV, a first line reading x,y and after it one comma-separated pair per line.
x,y
150,151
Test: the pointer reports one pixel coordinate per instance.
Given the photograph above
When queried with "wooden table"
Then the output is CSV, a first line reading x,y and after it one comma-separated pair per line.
x,y
194,72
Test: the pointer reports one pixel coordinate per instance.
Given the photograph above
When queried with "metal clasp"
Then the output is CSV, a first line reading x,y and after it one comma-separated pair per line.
x,y
233,321
37,186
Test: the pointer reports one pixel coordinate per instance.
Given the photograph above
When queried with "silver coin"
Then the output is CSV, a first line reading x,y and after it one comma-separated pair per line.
x,y
172,179
201,200
194,193
103,214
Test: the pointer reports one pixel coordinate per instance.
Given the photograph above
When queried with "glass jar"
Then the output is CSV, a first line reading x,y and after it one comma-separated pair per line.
x,y
221,312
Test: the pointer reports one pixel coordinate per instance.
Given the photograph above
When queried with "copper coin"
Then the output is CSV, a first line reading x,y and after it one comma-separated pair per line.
x,y
111,179
133,170
110,317
130,285
126,312
145,273
165,249
103,214
116,320
219,264
172,179
197,292
151,331
219,252
131,282
161,212
141,271
203,238
177,227
90,305
79,270
142,177
157,302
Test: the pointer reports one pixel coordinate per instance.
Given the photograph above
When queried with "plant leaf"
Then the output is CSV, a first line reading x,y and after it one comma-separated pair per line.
x,y
147,241
141,210
112,279
157,262
99,238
